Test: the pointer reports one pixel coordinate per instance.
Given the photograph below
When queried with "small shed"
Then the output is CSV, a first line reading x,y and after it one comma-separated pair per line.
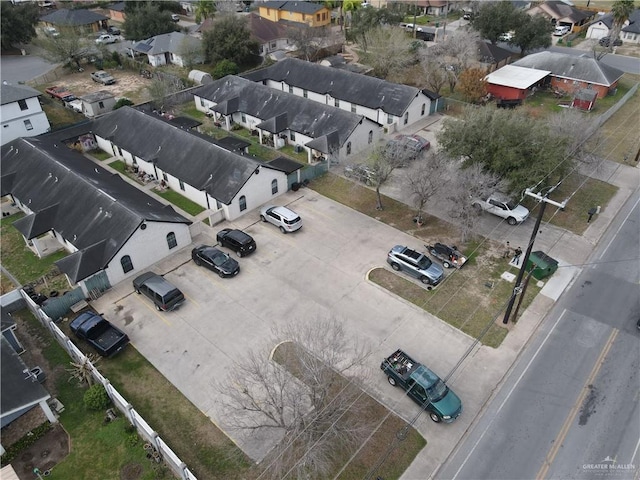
x,y
584,99
200,77
512,82
542,265
97,103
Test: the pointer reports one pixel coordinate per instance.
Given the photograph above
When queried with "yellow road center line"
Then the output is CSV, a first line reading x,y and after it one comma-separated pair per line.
x,y
576,407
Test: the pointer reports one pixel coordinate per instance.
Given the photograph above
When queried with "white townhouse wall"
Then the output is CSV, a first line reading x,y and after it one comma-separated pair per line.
x,y
150,243
21,114
365,135
261,188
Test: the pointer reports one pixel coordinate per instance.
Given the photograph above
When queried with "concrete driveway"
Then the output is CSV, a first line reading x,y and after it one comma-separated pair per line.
x,y
317,272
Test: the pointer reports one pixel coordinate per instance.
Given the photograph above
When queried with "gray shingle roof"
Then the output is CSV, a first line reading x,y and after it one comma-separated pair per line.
x,y
297,7
392,98
280,110
166,43
13,93
72,18
183,154
634,22
84,202
584,68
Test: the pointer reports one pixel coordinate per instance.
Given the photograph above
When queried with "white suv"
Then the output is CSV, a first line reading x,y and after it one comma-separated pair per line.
x,y
283,218
501,206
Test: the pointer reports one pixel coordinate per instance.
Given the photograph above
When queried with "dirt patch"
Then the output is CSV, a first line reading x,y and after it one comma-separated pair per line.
x,y
128,84
131,471
47,452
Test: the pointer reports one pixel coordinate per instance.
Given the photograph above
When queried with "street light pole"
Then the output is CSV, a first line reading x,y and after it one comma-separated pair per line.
x,y
517,290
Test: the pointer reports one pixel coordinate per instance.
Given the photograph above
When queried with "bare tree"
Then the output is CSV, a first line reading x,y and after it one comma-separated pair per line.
x,y
470,183
434,74
581,133
305,392
426,180
384,161
68,48
458,50
190,52
161,90
388,50
308,41
81,370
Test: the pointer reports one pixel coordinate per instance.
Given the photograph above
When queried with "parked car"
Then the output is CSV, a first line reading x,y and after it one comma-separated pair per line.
x,y
103,77
505,37
467,16
415,143
285,219
236,240
501,206
215,260
450,257
75,105
164,295
360,172
605,41
106,39
61,93
51,32
561,30
175,17
415,264
104,337
113,30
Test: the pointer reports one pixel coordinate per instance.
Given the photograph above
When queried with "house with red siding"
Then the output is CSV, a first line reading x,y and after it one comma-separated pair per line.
x,y
514,83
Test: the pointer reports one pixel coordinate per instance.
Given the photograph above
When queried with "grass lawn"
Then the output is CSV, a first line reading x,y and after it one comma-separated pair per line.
x,y
383,427
100,155
192,208
19,260
59,116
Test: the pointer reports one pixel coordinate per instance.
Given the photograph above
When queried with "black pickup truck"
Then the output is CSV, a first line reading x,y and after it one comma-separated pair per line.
x,y
423,386
95,330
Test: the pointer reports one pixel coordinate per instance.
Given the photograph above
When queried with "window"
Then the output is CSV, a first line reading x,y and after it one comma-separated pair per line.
x,y
305,94
274,186
406,117
27,125
292,136
290,88
202,104
171,240
22,104
218,205
324,16
243,203
353,108
348,148
273,44
127,264
181,185
423,109
101,105
389,118
243,118
336,102
165,177
318,17
370,136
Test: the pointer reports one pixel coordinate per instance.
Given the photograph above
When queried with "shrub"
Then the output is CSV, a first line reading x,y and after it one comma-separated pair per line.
x,y
122,102
224,68
96,398
25,442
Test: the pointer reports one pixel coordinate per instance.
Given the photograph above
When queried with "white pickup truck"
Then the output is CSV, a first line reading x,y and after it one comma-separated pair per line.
x,y
501,206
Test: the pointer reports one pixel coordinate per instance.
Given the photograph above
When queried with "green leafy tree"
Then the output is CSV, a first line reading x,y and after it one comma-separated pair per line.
x,y
224,68
123,102
531,32
18,23
366,19
494,19
148,21
620,10
519,149
204,9
230,39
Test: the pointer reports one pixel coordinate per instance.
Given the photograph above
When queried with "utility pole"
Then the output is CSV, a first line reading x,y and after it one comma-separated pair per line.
x,y
517,290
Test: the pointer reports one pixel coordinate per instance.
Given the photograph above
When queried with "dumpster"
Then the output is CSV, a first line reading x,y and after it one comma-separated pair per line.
x,y
544,265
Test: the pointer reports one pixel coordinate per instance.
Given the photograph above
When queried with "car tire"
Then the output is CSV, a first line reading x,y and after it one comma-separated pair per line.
x,y
425,280
239,253
392,381
446,264
158,308
197,262
138,291
262,218
221,274
477,207
395,266
433,416
512,221
282,229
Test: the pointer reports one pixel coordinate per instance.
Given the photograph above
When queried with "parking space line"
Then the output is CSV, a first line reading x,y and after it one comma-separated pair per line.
x,y
157,314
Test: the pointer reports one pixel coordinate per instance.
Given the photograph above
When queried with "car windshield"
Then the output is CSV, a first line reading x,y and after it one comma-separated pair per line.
x,y
424,262
511,205
219,258
437,391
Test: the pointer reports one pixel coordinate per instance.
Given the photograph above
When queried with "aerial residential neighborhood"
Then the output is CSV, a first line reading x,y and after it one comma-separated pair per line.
x,y
233,234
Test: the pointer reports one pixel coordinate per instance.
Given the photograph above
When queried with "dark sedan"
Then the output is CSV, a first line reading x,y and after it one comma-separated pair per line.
x,y
215,260
236,240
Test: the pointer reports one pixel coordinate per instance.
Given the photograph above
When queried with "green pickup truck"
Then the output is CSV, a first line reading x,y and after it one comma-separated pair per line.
x,y
423,386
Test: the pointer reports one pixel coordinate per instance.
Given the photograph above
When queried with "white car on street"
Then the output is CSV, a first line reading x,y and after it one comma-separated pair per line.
x,y
501,206
106,39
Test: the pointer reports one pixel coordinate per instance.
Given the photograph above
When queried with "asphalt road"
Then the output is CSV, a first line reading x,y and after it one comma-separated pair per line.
x,y
569,408
17,68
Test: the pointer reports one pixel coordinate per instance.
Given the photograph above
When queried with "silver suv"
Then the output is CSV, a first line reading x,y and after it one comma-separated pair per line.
x,y
285,219
415,264
501,206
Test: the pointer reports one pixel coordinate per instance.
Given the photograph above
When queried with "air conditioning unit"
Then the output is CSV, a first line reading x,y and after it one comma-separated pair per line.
x,y
298,148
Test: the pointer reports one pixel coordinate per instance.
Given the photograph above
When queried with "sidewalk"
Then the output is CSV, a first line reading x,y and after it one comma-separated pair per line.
x,y
485,369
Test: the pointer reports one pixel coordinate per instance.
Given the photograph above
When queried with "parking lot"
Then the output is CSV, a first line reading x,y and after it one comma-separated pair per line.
x,y
316,272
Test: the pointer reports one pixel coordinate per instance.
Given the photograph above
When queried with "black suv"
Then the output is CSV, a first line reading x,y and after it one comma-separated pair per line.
x,y
236,240
604,42
164,295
